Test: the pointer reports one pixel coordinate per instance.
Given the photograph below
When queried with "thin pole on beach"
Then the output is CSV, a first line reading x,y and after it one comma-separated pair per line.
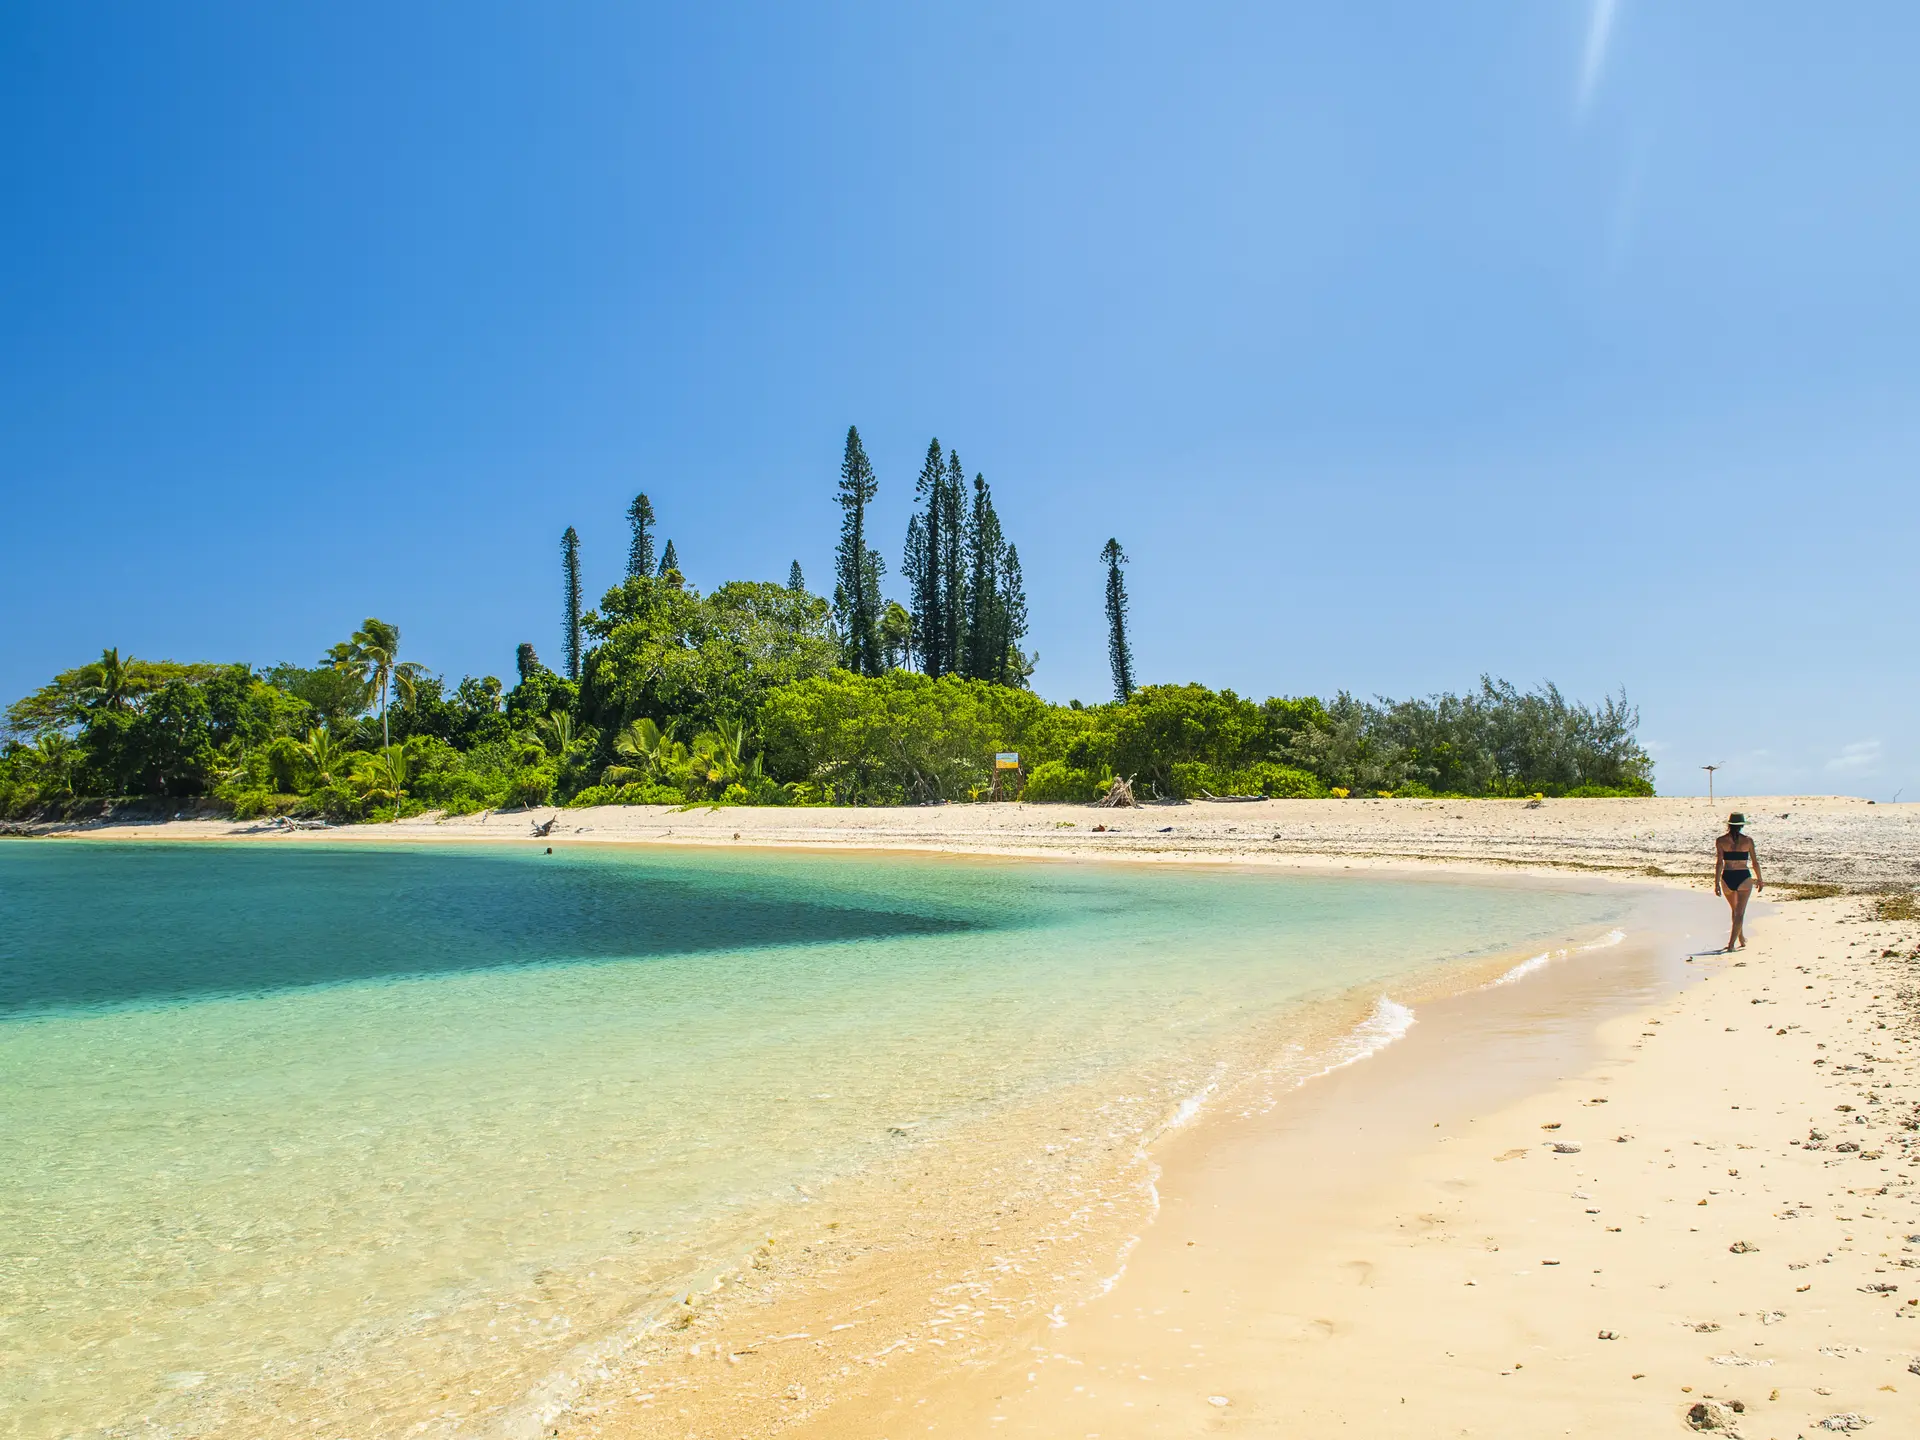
x,y
1709,769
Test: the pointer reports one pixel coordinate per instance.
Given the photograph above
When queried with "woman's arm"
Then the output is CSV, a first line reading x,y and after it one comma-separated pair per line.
x,y
1758,883
1719,862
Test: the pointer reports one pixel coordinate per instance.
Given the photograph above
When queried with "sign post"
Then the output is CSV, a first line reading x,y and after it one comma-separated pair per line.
x,y
1006,762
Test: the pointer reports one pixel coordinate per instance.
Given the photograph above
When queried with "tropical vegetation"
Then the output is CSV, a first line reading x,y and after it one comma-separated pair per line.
x,y
764,693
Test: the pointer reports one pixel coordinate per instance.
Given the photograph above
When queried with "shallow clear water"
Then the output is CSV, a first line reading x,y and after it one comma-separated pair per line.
x,y
276,1118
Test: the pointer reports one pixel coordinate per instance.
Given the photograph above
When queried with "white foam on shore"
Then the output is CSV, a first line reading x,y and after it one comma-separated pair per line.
x,y
1547,957
1388,1021
1190,1107
1527,967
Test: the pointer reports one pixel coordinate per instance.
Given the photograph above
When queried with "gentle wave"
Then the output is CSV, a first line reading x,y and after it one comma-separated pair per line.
x,y
1388,1021
1547,957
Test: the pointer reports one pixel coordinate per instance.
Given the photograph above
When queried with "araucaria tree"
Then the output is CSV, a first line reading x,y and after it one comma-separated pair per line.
x,y
525,662
1119,654
640,548
950,559
984,654
669,561
1015,664
913,569
969,609
570,584
856,565
796,582
921,564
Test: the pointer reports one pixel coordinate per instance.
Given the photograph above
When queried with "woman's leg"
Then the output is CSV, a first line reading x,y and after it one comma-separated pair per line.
x,y
1739,900
1733,914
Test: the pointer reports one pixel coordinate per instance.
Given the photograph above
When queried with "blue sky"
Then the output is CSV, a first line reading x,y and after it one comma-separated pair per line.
x,y
1396,342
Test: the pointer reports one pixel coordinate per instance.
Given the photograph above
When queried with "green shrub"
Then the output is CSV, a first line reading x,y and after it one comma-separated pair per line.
x,y
1282,782
529,787
1055,782
765,790
637,792
902,737
251,804
332,802
1189,780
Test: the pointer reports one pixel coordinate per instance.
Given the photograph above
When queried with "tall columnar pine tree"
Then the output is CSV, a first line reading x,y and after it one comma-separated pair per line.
x,y
913,568
796,582
985,651
969,607
1119,653
669,563
525,662
570,565
922,565
857,566
950,558
640,548
1015,664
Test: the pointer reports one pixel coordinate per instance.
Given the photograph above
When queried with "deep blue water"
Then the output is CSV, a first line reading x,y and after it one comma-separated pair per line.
x,y
88,925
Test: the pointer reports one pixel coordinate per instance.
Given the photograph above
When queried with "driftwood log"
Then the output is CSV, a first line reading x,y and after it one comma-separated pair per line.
x,y
540,832
1119,795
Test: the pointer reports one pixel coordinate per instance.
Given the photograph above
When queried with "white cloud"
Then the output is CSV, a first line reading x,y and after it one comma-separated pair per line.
x,y
1593,63
1854,759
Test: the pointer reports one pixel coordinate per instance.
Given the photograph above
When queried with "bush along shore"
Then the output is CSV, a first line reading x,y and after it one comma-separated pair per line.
x,y
740,697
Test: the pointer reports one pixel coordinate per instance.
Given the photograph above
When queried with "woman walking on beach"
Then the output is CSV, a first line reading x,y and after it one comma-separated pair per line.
x,y
1736,875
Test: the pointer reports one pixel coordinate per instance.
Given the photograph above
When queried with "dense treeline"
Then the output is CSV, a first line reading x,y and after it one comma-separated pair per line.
x,y
737,697
764,693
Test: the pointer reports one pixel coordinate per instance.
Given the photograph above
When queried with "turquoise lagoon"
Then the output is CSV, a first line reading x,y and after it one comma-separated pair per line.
x,y
376,1137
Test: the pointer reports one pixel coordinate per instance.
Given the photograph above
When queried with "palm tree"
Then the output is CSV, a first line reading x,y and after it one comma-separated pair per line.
x,y
107,683
382,774
559,726
720,756
651,748
373,655
56,753
896,635
231,762
323,752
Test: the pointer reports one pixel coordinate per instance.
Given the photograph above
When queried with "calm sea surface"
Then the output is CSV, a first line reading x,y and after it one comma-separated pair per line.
x,y
364,1135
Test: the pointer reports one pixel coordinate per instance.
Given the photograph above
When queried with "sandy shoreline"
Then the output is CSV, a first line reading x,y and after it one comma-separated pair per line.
x,y
1397,1248
1387,1256
1805,840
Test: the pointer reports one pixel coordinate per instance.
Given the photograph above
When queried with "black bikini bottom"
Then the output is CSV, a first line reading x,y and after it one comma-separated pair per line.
x,y
1732,880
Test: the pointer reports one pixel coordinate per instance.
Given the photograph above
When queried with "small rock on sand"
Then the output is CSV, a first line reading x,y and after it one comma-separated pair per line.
x,y
1218,1400
1712,1415
1741,1247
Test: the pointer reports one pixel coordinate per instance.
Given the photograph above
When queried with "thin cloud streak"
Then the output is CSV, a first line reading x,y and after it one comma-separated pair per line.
x,y
1593,64
1862,755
